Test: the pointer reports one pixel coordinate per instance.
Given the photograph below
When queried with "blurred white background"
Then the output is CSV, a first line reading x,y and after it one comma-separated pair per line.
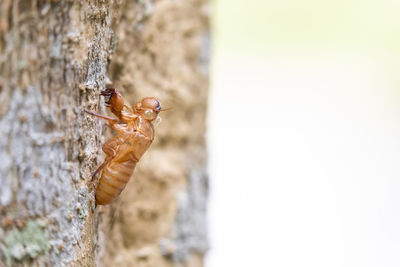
x,y
304,133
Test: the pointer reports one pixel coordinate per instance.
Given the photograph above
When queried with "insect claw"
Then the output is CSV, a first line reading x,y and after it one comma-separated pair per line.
x,y
108,92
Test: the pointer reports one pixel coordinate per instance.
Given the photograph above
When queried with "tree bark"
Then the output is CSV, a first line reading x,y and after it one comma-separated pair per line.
x,y
55,58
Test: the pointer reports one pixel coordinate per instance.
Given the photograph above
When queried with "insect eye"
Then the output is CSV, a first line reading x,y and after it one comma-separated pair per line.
x,y
148,114
158,108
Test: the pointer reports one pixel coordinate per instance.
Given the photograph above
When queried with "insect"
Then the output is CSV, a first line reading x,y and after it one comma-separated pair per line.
x,y
134,136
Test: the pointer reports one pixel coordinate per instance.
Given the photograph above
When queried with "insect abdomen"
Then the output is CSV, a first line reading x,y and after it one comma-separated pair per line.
x,y
113,180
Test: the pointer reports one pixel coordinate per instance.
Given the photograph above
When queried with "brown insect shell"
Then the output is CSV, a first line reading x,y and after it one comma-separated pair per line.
x,y
138,138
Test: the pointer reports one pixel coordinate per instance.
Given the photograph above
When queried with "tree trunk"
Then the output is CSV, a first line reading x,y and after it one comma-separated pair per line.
x,y
55,58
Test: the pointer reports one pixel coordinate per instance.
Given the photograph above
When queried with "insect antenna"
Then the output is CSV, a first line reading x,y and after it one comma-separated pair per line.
x,y
166,109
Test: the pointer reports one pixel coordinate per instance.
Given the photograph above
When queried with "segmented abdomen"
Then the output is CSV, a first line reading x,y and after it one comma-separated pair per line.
x,y
113,180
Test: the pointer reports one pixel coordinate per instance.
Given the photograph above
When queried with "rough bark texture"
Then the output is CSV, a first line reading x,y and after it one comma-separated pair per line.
x,y
55,57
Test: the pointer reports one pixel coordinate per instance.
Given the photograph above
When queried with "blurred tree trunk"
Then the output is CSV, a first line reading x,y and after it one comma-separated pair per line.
x,y
55,57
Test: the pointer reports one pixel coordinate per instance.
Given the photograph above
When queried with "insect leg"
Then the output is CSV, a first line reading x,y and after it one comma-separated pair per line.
x,y
128,108
109,119
106,161
110,148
